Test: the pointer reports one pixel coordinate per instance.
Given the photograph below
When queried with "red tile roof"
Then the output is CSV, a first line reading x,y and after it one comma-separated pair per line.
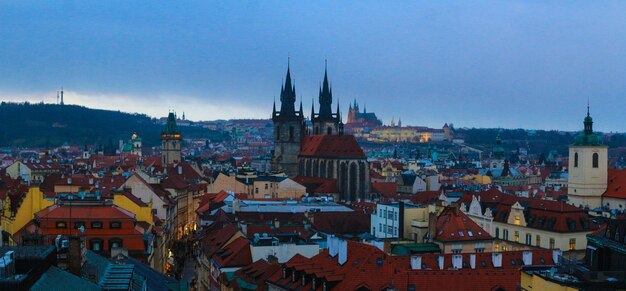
x,y
454,225
317,185
616,184
331,146
256,273
86,212
235,254
385,189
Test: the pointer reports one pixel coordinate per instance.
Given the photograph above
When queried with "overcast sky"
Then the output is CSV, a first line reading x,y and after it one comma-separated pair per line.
x,y
529,64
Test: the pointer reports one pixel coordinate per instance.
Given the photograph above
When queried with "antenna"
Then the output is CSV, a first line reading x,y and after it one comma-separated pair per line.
x,y
62,96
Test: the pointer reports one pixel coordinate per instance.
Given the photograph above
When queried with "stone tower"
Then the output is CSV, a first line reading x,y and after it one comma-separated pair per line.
x,y
171,141
325,122
588,168
289,128
136,144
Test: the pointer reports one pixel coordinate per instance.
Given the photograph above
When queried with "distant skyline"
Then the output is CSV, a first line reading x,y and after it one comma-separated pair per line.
x,y
510,64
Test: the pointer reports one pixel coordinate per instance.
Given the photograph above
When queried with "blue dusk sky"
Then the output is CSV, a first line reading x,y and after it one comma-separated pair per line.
x,y
528,64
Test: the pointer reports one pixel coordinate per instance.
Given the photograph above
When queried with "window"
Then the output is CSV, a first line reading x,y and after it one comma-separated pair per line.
x,y
79,224
551,243
395,231
266,186
517,220
115,224
505,234
538,239
61,224
595,160
95,244
329,131
497,247
390,214
497,232
256,190
505,248
575,160
115,243
291,133
380,227
572,244
529,239
516,236
96,224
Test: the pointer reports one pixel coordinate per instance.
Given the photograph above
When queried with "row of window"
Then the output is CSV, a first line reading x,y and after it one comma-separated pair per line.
x,y
391,214
516,238
97,244
594,160
388,229
94,224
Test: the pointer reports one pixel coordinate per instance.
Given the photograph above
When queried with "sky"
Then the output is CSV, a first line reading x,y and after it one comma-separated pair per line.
x,y
510,64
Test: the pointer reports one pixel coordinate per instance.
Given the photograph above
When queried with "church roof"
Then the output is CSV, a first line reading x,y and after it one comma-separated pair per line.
x,y
334,146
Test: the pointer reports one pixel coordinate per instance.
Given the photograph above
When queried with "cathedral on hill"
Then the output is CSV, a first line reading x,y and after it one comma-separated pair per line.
x,y
322,153
358,120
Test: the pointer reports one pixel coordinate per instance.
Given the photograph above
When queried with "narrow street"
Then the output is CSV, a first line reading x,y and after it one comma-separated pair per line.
x,y
189,272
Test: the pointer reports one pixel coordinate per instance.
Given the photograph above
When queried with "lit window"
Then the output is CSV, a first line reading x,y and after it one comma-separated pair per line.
x,y
61,224
517,220
572,244
497,248
516,236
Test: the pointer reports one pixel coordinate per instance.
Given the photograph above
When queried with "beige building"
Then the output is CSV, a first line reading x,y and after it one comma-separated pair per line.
x,y
588,168
277,187
539,223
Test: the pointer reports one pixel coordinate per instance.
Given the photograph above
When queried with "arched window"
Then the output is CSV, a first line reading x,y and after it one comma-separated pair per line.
x,y
291,133
329,131
595,160
278,132
575,160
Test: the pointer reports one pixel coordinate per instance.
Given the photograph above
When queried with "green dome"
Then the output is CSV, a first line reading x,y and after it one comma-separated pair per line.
x,y
583,139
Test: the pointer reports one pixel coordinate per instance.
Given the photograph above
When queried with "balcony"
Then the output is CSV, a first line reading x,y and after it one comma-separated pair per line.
x,y
419,223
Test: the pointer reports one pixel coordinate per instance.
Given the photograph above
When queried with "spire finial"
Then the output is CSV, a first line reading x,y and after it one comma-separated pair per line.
x,y
587,106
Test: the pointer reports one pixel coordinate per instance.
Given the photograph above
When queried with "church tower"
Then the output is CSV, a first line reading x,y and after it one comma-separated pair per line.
x,y
135,141
171,141
289,128
588,168
325,122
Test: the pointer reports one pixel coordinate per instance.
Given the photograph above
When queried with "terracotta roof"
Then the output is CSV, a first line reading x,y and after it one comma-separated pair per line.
x,y
616,184
217,238
237,253
107,212
331,146
256,273
454,225
385,189
317,185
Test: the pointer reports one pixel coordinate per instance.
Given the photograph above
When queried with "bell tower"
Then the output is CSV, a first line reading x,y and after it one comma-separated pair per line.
x,y
325,122
171,141
588,168
289,128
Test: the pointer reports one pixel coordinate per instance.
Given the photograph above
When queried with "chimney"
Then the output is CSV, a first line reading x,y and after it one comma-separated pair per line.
x,y
343,251
332,242
416,263
440,262
276,223
76,256
556,254
180,170
527,257
473,261
457,261
496,259
90,180
69,181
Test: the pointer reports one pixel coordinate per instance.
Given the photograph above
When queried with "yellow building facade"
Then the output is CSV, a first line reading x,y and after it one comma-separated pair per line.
x,y
33,202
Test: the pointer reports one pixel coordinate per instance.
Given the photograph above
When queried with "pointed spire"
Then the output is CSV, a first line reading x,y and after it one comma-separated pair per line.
x,y
274,109
338,112
288,94
588,122
364,108
312,108
325,97
301,111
